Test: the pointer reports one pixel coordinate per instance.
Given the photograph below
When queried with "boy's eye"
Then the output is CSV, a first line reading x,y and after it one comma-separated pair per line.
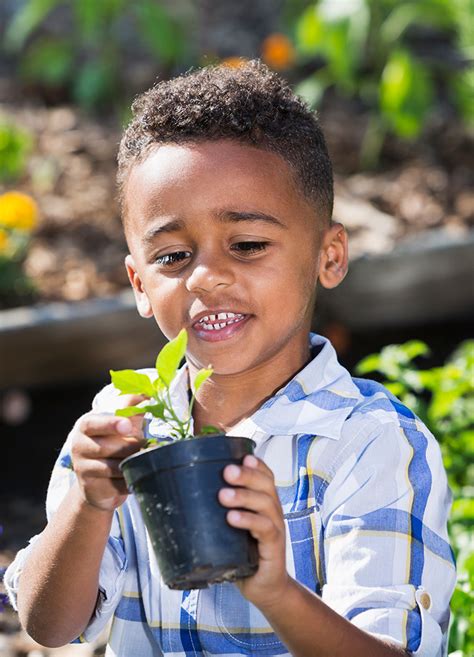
x,y
169,259
249,247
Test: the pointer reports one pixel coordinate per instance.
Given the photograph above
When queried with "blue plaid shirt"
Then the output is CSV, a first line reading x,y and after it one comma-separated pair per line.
x,y
365,498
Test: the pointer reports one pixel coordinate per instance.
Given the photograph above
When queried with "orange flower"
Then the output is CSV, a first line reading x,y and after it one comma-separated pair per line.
x,y
234,62
278,51
18,211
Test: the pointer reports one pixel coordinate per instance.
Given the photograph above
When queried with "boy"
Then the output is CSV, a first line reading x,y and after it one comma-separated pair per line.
x,y
226,190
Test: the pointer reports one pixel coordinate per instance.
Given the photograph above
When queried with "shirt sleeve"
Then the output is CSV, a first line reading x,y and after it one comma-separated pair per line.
x,y
388,566
114,562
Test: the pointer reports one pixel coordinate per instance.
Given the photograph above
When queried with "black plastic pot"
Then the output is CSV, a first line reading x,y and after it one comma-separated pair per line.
x,y
176,486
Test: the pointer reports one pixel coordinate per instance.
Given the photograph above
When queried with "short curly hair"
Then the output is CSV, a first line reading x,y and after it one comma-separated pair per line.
x,y
250,104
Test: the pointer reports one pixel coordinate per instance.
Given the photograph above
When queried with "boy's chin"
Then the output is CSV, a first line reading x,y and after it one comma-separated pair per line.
x,y
221,367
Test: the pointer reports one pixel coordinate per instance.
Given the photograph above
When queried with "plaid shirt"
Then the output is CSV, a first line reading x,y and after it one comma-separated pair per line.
x,y
365,498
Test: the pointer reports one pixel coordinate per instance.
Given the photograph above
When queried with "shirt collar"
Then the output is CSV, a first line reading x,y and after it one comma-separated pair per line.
x,y
318,400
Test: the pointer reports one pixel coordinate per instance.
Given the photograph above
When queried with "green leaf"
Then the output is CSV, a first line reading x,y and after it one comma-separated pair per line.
x,y
96,82
368,364
130,411
309,32
26,20
157,410
406,93
161,33
49,61
396,388
463,508
170,357
158,385
414,348
209,429
130,382
201,376
15,146
311,90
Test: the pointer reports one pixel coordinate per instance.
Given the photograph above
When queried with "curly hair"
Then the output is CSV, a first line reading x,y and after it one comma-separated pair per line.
x,y
249,104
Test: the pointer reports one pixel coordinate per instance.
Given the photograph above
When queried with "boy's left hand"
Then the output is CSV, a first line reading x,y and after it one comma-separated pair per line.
x,y
259,511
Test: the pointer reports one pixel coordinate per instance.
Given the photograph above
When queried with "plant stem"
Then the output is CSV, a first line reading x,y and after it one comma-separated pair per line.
x,y
176,420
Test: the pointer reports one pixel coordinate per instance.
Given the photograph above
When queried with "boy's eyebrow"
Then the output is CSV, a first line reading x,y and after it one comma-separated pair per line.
x,y
170,227
235,216
231,216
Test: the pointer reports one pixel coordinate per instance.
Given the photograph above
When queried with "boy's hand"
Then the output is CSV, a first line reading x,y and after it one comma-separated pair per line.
x,y
259,511
99,444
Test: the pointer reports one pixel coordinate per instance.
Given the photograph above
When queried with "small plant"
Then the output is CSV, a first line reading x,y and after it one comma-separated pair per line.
x,y
189,555
443,398
158,390
15,145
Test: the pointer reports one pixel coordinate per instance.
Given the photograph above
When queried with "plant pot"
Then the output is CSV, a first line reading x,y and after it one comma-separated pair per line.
x,y
176,486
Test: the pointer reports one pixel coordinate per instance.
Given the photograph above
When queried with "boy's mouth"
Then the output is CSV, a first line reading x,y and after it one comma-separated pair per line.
x,y
219,326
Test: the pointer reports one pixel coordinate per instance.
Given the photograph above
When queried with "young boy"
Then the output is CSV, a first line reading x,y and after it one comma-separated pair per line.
x,y
226,190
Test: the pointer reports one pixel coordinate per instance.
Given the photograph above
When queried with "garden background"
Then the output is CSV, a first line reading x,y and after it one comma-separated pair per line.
x,y
393,81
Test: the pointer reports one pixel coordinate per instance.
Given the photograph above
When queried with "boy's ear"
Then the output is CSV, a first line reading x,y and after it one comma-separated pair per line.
x,y
333,263
141,298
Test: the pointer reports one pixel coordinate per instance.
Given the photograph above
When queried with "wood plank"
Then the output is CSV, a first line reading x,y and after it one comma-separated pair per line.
x,y
423,281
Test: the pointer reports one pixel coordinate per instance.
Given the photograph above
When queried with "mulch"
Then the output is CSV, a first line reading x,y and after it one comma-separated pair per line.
x,y
78,250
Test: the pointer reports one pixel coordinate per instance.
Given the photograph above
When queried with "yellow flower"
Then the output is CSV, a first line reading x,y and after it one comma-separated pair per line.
x,y
4,242
234,62
18,211
278,51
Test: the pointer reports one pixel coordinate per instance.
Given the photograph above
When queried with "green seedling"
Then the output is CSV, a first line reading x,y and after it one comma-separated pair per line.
x,y
157,390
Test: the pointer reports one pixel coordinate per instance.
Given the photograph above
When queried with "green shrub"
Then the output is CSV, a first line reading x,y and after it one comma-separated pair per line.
x,y
15,146
443,398
396,57
90,59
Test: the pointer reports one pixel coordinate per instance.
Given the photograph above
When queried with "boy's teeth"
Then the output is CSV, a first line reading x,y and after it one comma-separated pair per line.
x,y
212,323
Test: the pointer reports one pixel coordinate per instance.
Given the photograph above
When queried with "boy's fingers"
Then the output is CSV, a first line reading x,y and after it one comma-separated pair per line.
x,y
261,527
94,424
103,469
244,498
131,400
256,478
255,463
98,447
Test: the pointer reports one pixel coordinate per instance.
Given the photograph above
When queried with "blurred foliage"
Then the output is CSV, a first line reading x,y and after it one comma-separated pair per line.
x,y
15,146
18,218
400,59
90,58
443,398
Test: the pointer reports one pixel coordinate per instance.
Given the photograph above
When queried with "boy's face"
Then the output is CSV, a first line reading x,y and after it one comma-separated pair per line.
x,y
223,244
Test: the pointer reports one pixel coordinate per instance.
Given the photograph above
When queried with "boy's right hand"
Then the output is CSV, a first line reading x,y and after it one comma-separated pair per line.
x,y
99,444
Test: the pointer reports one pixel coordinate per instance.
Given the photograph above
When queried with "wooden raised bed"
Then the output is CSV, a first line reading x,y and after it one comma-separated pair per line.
x,y
429,279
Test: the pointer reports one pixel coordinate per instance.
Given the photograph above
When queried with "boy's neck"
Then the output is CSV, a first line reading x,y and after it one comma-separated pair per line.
x,y
225,400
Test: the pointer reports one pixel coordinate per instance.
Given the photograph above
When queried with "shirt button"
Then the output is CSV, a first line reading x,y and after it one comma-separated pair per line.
x,y
425,600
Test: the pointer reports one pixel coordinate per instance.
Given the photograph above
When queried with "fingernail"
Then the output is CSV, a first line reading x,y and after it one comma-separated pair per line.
x,y
228,493
234,516
251,461
124,426
233,471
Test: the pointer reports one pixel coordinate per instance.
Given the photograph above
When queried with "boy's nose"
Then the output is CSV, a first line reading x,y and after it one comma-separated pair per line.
x,y
206,278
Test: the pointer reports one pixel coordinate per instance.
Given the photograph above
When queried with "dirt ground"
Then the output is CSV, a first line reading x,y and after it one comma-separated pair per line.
x,y
78,250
